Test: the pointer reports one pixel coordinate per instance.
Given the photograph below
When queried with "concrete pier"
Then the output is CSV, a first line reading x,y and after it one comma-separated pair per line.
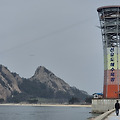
x,y
105,115
103,105
112,117
109,115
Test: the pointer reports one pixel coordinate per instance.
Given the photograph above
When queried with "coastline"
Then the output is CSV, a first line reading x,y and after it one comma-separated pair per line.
x,y
47,105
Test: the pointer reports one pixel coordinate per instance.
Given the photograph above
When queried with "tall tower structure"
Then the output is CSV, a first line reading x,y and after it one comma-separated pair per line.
x,y
109,17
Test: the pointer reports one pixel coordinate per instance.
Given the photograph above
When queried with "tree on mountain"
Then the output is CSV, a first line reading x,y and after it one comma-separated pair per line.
x,y
74,100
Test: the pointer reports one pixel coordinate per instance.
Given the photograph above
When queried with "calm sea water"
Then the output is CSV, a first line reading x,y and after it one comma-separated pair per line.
x,y
44,113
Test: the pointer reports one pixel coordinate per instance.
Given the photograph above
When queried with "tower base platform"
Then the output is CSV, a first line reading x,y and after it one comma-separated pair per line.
x,y
103,105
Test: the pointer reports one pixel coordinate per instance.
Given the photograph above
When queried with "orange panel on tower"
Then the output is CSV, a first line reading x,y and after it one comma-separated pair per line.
x,y
109,17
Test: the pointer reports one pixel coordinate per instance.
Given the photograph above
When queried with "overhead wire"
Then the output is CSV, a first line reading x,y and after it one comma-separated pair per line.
x,y
46,36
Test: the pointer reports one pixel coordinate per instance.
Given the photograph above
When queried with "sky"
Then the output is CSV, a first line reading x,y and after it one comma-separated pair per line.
x,y
61,35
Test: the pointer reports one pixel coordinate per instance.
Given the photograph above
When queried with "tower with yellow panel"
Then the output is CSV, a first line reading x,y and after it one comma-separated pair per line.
x,y
109,17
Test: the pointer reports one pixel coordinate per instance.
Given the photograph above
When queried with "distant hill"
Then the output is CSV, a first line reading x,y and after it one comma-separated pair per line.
x,y
43,84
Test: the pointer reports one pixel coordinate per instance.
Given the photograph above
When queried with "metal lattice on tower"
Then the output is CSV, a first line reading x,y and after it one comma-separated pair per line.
x,y
109,17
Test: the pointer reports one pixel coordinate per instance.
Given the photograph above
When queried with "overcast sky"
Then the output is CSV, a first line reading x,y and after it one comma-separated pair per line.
x,y
60,35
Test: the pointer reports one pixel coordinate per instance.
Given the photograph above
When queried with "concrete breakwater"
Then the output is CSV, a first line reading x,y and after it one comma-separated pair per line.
x,y
103,105
104,115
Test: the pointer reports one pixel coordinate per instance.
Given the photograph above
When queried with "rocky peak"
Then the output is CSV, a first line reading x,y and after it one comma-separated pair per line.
x,y
41,70
45,76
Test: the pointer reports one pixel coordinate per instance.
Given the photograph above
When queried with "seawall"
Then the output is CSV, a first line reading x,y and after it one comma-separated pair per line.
x,y
103,105
104,115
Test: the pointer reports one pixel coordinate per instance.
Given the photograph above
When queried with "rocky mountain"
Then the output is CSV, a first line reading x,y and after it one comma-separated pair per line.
x,y
8,83
47,77
43,84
